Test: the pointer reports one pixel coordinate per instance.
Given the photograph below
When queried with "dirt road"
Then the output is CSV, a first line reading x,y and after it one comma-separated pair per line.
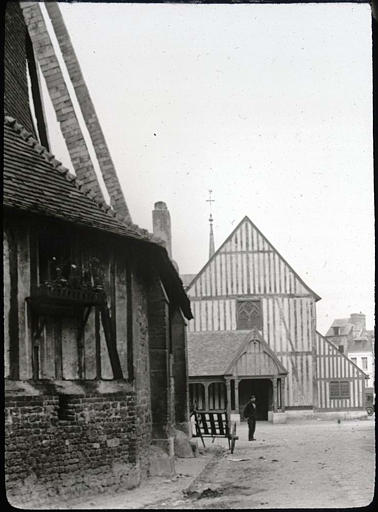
x,y
316,464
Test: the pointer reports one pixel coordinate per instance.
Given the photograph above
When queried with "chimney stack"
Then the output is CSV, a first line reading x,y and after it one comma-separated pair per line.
x,y
358,320
161,222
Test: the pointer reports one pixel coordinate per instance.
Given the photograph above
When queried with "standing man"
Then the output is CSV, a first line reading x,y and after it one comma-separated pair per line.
x,y
250,414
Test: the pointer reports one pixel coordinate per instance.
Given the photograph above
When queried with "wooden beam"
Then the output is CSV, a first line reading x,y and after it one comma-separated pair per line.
x,y
206,386
228,394
57,329
111,343
237,396
274,381
129,313
98,343
13,319
80,342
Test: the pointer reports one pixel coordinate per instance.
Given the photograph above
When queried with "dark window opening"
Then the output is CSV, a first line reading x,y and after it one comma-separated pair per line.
x,y
339,389
54,257
341,349
197,396
217,396
249,315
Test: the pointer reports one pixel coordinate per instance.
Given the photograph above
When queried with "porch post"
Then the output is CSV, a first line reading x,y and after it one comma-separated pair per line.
x,y
237,396
274,380
283,380
228,394
228,406
206,384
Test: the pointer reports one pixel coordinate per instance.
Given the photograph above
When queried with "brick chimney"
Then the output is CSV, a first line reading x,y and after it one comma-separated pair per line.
x,y
358,320
60,97
161,222
108,171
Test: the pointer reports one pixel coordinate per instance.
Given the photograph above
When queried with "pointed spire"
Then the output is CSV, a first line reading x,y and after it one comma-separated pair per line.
x,y
211,245
211,241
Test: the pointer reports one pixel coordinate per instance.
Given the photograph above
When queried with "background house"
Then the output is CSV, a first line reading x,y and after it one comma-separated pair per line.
x,y
353,339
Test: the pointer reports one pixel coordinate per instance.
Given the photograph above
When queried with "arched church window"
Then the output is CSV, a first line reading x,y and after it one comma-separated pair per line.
x,y
248,314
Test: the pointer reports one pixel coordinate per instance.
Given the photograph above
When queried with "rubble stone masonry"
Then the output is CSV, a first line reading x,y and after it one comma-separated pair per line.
x,y
65,445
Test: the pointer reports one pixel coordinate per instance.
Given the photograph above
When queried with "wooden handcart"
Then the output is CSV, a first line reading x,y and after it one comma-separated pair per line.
x,y
214,424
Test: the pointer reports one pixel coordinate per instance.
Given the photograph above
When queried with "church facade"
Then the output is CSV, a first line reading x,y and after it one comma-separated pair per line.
x,y
254,332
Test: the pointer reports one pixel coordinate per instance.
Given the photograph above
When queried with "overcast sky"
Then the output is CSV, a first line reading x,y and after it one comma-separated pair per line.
x,y
269,106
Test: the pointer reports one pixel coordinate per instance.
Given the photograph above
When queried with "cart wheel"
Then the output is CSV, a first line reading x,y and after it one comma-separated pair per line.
x,y
369,410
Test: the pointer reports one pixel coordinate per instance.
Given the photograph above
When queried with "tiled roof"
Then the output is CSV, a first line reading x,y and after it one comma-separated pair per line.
x,y
344,325
340,322
36,182
211,352
362,345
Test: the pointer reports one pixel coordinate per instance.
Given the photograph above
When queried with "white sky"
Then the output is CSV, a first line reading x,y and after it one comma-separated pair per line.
x,y
269,106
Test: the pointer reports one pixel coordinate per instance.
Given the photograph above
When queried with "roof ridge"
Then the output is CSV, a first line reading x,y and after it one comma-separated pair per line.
x,y
69,176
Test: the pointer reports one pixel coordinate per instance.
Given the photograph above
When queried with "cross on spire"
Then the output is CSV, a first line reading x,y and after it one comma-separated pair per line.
x,y
211,245
210,200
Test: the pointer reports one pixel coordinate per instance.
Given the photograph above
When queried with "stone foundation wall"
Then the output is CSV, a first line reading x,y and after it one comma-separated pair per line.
x,y
66,445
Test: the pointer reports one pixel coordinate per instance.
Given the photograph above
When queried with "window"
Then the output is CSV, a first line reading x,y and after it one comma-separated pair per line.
x,y
336,331
354,360
341,349
339,389
248,314
54,256
364,363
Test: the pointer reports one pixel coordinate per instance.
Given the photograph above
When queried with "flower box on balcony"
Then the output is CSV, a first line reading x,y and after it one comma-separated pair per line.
x,y
55,299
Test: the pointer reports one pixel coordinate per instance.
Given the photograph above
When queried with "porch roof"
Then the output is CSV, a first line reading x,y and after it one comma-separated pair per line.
x,y
211,352
227,352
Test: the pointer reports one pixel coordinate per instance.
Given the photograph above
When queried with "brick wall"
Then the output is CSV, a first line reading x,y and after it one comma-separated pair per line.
x,y
67,445
16,95
142,372
60,97
158,325
180,370
89,114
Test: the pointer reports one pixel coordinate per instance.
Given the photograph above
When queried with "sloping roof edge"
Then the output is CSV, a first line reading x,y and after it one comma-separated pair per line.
x,y
58,166
167,270
342,355
249,337
246,218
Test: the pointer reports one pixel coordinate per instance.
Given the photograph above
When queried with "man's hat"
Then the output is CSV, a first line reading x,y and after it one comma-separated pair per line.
x,y
253,397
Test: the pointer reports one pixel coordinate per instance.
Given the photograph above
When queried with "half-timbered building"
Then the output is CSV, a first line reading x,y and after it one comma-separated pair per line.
x,y
254,332
94,313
